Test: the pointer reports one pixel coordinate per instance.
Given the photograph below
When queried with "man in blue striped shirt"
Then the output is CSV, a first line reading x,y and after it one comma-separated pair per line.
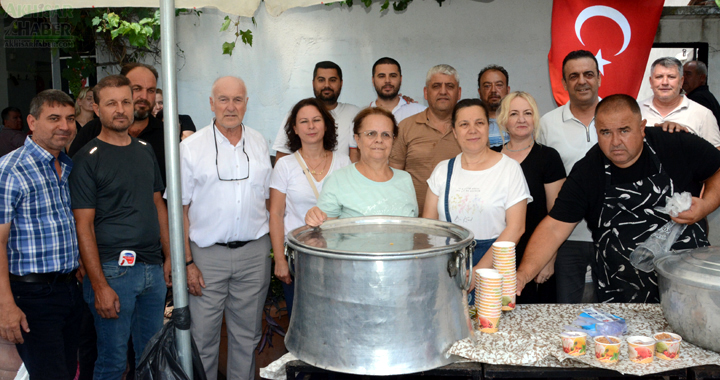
x,y
40,303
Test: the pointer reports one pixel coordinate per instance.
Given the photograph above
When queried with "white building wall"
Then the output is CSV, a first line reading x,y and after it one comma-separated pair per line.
x,y
278,67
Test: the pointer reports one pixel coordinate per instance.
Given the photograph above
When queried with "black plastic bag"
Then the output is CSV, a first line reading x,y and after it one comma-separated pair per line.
x,y
160,360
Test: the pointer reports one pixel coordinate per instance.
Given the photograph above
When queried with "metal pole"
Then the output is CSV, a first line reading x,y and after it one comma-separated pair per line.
x,y
172,164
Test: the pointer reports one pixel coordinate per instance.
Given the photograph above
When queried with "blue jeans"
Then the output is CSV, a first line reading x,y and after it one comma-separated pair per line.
x,y
53,313
141,290
481,246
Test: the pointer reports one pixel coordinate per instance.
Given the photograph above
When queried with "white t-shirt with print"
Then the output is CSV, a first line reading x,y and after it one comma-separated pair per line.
x,y
478,199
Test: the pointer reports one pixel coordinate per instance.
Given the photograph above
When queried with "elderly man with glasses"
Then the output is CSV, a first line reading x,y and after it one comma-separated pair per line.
x,y
225,184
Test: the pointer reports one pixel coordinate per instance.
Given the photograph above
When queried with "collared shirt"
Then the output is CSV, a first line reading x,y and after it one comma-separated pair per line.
x,y
403,109
225,211
343,113
36,202
419,148
561,130
702,95
698,119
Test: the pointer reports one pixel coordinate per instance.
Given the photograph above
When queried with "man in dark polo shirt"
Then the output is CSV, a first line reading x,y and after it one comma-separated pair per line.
x,y
696,88
616,188
145,126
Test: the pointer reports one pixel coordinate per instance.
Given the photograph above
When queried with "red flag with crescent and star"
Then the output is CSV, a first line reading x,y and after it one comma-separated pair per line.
x,y
620,33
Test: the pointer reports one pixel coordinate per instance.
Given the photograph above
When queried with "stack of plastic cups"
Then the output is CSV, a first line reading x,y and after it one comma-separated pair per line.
x,y
504,262
488,293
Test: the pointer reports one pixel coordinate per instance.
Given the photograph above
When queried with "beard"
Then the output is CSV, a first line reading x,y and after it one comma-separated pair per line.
x,y
329,99
116,124
384,96
142,114
494,104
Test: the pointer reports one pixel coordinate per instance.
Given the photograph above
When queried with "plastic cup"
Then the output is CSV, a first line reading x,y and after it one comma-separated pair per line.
x,y
607,349
641,349
667,346
574,342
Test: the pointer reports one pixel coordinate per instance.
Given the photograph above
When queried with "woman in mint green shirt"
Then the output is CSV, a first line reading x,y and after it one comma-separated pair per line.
x,y
371,186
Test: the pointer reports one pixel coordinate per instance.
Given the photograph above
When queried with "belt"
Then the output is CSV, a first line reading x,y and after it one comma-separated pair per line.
x,y
45,278
233,244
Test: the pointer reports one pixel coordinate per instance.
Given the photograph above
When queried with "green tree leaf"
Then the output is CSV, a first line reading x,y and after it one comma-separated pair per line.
x,y
226,24
228,48
246,36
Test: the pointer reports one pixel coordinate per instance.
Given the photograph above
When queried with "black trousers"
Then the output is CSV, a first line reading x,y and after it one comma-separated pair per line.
x,y
53,313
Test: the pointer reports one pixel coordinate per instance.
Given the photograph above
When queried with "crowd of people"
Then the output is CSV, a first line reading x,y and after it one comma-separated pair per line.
x,y
85,228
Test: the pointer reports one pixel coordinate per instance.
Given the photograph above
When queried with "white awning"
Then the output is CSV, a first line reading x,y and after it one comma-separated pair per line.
x,y
246,8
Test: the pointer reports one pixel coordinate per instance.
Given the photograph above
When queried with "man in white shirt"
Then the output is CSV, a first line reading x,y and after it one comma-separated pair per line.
x,y
570,129
667,105
493,86
225,184
327,84
387,79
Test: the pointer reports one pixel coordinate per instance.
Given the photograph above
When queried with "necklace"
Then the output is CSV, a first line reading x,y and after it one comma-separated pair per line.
x,y
518,150
314,170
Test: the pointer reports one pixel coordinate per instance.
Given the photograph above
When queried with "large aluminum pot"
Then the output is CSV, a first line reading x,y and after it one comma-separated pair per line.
x,y
689,285
378,295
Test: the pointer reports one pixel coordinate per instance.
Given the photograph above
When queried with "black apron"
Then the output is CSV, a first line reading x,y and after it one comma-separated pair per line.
x,y
628,217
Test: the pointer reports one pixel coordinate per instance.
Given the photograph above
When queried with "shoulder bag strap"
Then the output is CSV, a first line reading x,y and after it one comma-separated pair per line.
x,y
307,174
451,164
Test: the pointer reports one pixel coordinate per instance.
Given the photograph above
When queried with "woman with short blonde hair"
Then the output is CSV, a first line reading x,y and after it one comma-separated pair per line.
x,y
544,173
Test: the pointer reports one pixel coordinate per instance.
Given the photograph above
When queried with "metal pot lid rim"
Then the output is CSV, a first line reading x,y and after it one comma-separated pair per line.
x,y
381,236
699,266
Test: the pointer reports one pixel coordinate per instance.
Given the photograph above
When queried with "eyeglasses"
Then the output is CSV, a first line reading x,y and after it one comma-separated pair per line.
x,y
247,160
372,135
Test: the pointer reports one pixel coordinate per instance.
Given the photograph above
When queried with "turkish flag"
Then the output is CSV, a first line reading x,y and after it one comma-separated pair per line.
x,y
619,32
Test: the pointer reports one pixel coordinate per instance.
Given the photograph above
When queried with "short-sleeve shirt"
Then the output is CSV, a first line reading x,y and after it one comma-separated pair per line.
x,y
687,159
347,194
120,183
153,134
403,109
702,96
562,131
418,148
698,119
478,199
36,203
541,166
223,206
290,179
343,113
